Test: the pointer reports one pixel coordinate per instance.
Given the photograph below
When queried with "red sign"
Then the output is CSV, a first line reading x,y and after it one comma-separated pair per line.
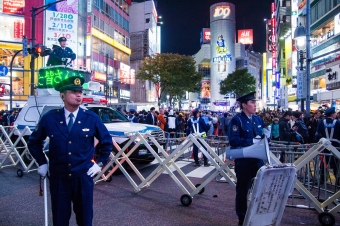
x,y
13,7
18,29
245,36
124,73
88,24
206,35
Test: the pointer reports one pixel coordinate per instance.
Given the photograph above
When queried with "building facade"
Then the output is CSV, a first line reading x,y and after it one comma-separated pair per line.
x,y
145,35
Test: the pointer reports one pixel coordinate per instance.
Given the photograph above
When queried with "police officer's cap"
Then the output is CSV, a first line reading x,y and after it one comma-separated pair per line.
x,y
330,111
71,83
62,39
245,98
132,110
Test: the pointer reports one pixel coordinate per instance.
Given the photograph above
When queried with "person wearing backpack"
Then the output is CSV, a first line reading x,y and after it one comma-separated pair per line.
x,y
301,126
197,125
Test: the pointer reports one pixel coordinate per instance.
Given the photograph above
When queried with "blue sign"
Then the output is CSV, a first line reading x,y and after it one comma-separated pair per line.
x,y
277,79
24,46
3,70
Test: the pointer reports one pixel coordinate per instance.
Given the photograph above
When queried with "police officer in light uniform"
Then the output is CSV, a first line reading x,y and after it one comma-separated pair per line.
x,y
61,53
245,129
329,128
71,131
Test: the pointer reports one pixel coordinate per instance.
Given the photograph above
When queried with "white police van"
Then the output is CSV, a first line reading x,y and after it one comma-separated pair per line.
x,y
117,124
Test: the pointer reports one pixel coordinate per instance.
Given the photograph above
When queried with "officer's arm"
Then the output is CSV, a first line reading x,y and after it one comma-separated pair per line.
x,y
105,142
56,53
235,134
35,143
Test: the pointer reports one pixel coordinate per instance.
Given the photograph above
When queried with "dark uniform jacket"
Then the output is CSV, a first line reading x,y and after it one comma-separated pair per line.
x,y
242,130
58,54
320,130
70,153
202,126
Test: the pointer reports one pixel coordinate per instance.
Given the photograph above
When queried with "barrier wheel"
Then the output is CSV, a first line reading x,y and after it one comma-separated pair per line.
x,y
20,173
201,191
326,219
186,200
109,179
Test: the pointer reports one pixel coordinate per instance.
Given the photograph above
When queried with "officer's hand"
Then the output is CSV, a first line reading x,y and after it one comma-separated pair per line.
x,y
256,139
94,170
42,170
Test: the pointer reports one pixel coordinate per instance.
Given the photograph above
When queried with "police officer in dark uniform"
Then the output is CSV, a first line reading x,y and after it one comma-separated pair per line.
x,y
71,131
197,125
51,59
61,53
245,129
329,128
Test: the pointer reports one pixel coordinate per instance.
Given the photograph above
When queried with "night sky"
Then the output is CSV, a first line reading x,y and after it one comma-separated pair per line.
x,y
183,21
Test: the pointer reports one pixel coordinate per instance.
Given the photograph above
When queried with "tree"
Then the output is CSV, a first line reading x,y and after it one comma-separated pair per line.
x,y
173,74
239,82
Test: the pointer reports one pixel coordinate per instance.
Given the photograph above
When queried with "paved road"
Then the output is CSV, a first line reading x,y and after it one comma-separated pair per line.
x,y
115,203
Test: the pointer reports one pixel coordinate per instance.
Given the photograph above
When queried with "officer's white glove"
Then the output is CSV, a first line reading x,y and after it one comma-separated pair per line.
x,y
267,131
42,170
94,170
256,139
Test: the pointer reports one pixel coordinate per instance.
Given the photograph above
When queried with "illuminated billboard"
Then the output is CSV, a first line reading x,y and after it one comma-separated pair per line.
x,y
222,33
205,88
245,36
205,36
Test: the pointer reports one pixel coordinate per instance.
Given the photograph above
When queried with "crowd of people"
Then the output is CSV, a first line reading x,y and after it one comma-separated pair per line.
x,y
290,126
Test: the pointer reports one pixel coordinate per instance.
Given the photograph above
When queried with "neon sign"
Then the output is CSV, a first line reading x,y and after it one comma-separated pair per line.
x,y
50,76
222,11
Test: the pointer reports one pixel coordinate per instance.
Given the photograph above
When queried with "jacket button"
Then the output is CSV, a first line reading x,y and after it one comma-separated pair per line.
x,y
70,142
70,175
51,135
69,164
69,153
87,135
247,130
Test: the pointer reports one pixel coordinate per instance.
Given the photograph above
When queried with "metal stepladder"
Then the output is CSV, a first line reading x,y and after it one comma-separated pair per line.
x,y
16,150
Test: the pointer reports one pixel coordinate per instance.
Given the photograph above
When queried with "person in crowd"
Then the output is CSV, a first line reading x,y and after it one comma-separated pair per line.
x,y
224,124
302,129
267,118
215,124
246,129
285,128
151,118
161,121
197,126
61,53
171,123
329,128
72,132
275,130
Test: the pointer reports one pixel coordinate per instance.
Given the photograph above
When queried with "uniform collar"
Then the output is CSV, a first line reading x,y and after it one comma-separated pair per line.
x,y
67,113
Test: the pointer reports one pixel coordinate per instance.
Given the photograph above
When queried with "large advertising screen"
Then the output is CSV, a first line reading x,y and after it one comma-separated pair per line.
x,y
205,36
13,6
245,36
61,20
205,89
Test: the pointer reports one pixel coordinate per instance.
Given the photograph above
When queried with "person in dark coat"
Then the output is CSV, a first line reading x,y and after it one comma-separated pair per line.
x,y
329,128
71,131
61,53
245,129
51,59
285,128
151,118
197,125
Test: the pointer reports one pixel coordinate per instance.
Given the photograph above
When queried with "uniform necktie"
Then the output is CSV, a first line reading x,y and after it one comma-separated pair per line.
x,y
70,123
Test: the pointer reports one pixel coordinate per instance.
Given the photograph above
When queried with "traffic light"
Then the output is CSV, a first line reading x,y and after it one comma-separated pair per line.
x,y
39,50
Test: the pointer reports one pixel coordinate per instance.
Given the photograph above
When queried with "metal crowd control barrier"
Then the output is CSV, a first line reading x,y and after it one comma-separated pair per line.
x,y
165,164
304,164
14,146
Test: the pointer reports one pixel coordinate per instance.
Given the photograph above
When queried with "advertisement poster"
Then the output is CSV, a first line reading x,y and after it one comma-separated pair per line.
x,y
61,20
124,73
205,92
11,28
13,7
245,36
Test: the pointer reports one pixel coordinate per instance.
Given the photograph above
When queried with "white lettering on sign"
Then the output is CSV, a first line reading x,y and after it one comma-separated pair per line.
x,y
222,11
